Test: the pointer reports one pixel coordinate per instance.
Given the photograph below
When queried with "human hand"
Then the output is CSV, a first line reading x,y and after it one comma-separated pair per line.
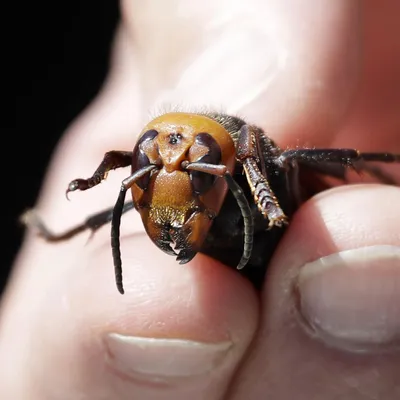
x,y
310,75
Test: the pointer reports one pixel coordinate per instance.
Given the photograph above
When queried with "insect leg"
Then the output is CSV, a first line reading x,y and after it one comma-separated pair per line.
x,y
264,197
334,162
111,160
32,220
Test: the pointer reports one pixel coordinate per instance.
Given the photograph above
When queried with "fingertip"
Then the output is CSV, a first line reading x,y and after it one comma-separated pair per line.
x,y
341,219
329,295
174,325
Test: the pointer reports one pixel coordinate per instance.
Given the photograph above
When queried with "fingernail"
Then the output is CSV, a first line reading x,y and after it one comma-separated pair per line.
x,y
156,359
351,299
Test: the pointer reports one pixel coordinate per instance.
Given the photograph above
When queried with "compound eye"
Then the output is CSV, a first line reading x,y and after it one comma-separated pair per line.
x,y
140,159
205,150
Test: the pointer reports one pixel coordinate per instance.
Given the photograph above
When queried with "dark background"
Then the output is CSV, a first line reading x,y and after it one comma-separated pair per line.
x,y
59,58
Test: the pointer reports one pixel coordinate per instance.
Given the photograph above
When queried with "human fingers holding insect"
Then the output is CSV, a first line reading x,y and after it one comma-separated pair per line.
x,y
182,331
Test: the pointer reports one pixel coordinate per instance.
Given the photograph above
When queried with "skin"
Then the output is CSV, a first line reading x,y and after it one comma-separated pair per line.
x,y
323,75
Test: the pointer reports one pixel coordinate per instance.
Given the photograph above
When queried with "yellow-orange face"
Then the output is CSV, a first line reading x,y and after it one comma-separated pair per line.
x,y
177,205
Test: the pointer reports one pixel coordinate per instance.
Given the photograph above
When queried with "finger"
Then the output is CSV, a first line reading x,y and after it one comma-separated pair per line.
x,y
330,323
66,329
177,333
290,67
70,330
374,121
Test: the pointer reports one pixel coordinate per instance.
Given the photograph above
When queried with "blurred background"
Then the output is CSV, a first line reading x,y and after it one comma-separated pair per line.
x,y
61,59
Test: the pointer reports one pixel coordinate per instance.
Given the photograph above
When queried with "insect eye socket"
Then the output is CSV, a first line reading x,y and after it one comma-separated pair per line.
x,y
140,159
202,182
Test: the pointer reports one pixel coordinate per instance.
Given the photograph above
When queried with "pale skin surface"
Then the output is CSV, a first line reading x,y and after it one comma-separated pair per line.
x,y
325,75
